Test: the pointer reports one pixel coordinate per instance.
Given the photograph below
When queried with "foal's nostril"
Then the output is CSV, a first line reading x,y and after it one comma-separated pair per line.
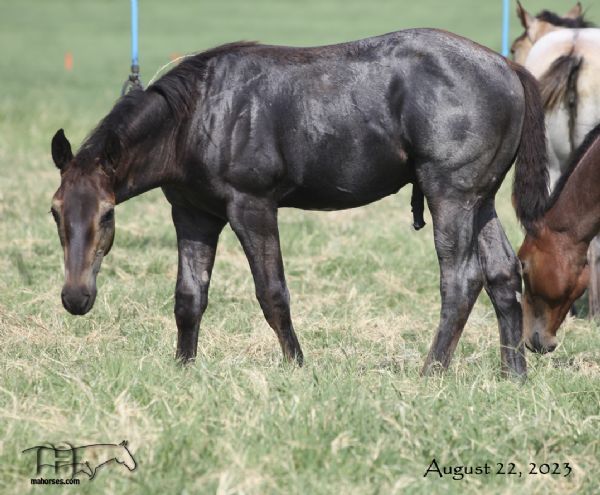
x,y
85,302
64,300
551,348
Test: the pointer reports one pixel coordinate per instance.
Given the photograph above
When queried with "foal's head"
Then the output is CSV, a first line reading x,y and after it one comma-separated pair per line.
x,y
537,26
83,208
555,275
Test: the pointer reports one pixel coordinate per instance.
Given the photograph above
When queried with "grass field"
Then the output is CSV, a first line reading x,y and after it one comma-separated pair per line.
x,y
357,418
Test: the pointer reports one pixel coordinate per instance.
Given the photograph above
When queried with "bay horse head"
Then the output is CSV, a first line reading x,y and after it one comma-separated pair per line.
x,y
554,276
83,209
540,25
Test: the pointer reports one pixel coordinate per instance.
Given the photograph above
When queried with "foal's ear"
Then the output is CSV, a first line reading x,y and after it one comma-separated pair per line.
x,y
61,149
575,12
525,17
112,150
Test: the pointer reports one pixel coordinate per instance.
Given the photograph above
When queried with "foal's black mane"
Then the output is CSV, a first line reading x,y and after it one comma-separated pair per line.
x,y
115,122
178,87
575,158
556,20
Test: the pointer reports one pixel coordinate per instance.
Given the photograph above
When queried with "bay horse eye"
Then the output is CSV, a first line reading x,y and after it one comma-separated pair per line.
x,y
108,217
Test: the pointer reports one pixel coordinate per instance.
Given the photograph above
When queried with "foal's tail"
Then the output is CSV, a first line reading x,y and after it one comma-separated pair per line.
x,y
530,188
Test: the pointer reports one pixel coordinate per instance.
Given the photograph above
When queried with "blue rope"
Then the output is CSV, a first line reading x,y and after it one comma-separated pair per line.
x,y
134,32
505,26
134,80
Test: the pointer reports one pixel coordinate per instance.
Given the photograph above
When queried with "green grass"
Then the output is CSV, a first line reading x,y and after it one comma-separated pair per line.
x,y
357,418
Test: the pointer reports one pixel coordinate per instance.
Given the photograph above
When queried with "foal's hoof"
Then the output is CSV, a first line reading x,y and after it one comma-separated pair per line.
x,y
184,360
433,368
295,357
518,373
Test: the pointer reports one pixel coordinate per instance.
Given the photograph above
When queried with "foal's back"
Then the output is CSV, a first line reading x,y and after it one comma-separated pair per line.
x,y
342,125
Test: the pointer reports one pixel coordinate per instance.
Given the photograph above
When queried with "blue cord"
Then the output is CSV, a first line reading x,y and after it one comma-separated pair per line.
x,y
134,32
505,26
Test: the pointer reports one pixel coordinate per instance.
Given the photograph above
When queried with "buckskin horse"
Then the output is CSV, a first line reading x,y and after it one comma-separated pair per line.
x,y
563,53
553,254
234,133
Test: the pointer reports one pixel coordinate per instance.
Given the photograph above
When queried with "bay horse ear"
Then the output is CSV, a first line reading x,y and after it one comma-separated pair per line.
x,y
112,150
575,12
525,17
61,149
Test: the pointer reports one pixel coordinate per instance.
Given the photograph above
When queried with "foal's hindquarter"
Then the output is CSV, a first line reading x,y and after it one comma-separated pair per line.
x,y
338,127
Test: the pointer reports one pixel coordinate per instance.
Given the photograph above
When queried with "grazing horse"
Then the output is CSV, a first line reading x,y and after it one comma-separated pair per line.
x,y
553,254
234,133
564,55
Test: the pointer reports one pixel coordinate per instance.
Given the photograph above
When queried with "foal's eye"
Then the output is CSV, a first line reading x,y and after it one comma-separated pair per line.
x,y
108,217
55,215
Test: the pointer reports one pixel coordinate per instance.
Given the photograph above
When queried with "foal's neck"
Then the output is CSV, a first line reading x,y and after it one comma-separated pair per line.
x,y
149,156
576,212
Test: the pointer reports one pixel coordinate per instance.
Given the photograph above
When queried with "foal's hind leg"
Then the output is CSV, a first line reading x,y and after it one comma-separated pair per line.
x,y
460,275
503,285
197,236
255,223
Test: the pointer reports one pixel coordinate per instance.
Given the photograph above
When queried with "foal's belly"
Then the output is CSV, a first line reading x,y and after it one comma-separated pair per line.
x,y
348,187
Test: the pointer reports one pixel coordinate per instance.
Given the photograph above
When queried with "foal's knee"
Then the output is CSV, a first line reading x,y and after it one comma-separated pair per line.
x,y
504,278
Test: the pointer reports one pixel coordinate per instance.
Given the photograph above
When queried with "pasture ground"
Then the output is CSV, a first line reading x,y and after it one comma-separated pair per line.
x,y
357,418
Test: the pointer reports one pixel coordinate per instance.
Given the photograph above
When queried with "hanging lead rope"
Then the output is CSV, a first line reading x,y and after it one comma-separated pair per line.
x,y
134,80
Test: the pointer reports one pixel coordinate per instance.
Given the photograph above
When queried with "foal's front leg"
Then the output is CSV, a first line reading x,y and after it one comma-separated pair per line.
x,y
503,284
197,236
255,223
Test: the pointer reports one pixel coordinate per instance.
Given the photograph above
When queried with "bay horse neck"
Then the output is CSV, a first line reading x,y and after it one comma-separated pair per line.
x,y
147,129
574,207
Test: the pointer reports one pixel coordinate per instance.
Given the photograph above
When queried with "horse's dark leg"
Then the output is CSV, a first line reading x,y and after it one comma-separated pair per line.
x,y
503,285
460,275
255,223
197,236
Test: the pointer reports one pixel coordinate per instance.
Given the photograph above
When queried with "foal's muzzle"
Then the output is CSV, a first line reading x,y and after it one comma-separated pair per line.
x,y
78,300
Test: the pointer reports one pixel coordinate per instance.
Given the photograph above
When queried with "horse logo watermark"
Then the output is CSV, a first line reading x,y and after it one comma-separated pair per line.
x,y
86,459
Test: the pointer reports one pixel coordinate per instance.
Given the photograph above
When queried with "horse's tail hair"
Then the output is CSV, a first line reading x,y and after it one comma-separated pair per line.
x,y
530,187
559,85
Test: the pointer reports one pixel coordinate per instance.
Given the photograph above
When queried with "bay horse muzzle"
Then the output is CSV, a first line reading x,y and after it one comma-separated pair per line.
x,y
535,345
